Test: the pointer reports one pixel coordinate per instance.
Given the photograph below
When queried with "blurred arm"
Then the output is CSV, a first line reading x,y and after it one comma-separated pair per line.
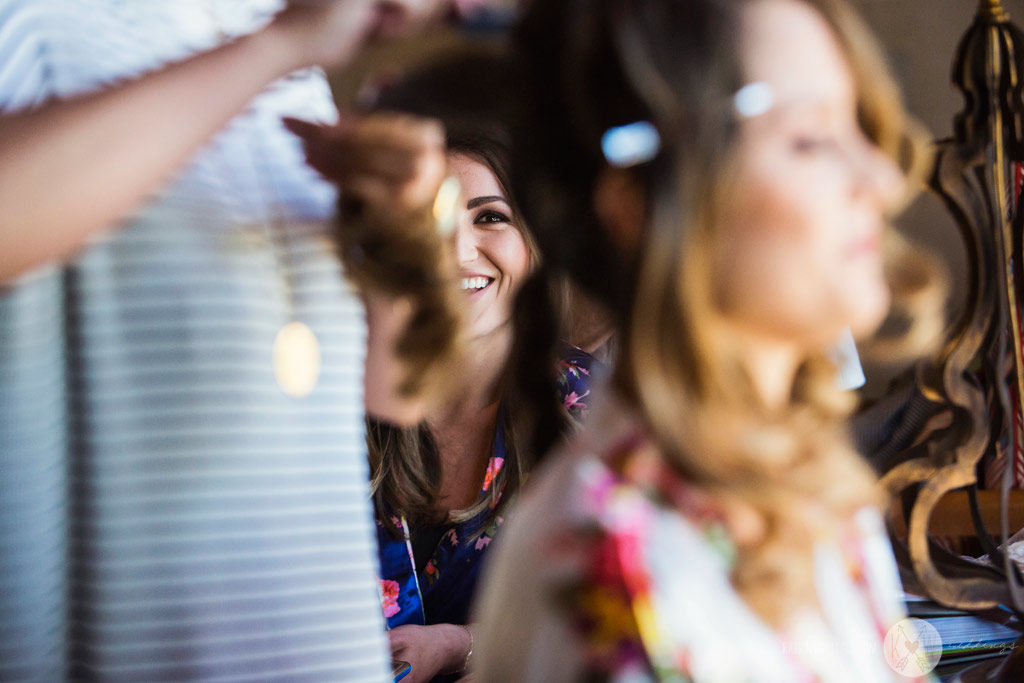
x,y
70,169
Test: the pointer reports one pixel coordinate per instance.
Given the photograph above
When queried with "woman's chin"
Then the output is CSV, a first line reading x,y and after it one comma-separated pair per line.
x,y
487,327
869,311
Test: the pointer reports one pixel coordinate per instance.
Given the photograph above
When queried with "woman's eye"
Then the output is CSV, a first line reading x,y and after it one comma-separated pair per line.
x,y
487,217
807,143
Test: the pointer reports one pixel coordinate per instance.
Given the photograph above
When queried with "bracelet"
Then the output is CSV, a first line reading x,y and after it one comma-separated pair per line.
x,y
465,663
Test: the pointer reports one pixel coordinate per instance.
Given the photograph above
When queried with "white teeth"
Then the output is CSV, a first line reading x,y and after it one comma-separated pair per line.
x,y
475,282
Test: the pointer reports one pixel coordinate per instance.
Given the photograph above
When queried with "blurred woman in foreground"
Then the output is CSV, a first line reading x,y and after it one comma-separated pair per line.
x,y
729,166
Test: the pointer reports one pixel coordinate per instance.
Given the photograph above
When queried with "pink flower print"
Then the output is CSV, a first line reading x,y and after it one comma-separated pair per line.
x,y
573,369
482,542
389,597
431,571
452,537
574,400
493,467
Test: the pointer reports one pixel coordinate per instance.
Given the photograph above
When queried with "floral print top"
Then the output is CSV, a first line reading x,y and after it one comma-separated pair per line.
x,y
615,569
441,592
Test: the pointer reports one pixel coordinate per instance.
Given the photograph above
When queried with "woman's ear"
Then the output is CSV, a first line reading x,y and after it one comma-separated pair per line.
x,y
620,204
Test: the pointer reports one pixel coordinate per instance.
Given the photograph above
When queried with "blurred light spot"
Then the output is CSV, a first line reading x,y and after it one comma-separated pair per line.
x,y
446,205
296,359
631,144
753,99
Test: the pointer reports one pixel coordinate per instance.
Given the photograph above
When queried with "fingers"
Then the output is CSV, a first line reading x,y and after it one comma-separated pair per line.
x,y
304,129
389,144
322,144
395,17
350,160
384,160
401,638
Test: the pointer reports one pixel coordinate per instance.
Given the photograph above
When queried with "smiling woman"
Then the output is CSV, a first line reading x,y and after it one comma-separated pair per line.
x,y
441,486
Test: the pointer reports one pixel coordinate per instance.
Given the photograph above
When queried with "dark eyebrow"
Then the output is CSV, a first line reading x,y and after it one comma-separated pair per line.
x,y
480,201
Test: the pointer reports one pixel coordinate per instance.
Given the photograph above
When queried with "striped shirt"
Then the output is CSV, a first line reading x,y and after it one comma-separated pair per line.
x,y
166,512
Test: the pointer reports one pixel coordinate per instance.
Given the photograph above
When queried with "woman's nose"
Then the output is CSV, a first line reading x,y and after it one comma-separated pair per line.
x,y
878,174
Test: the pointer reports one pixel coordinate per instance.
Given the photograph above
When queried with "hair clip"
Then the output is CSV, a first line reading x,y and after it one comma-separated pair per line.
x,y
753,99
632,144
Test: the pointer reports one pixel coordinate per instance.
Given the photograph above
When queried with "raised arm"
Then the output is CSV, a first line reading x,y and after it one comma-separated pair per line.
x,y
107,150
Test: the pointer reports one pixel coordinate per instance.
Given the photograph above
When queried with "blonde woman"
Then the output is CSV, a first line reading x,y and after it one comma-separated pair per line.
x,y
730,165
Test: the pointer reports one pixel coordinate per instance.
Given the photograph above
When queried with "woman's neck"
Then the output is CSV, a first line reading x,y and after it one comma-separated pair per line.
x,y
477,380
772,366
464,445
464,425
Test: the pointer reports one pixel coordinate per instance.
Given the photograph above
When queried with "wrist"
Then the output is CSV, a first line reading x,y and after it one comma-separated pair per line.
x,y
462,653
282,47
323,33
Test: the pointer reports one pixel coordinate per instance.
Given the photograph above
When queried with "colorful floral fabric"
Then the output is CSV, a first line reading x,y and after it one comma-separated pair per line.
x,y
655,601
574,369
617,569
441,592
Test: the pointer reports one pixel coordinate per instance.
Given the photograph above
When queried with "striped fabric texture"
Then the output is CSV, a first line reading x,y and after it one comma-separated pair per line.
x,y
166,512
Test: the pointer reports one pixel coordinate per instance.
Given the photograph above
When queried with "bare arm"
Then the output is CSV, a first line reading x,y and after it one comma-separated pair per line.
x,y
106,151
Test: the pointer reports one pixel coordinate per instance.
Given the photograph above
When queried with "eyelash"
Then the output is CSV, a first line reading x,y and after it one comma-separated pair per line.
x,y
490,217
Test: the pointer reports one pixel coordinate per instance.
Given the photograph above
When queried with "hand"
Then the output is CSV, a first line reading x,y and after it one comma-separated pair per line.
x,y
329,32
429,649
389,168
393,164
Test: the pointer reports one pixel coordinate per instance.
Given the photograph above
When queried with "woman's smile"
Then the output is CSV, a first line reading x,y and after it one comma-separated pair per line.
x,y
475,284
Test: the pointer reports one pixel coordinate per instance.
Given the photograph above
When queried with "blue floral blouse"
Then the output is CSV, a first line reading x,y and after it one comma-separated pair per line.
x,y
441,592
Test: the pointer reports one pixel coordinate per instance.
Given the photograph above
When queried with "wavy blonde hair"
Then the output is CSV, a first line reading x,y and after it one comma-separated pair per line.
x,y
673,63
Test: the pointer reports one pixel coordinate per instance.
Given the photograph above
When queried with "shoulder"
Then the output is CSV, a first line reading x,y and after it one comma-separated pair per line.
x,y
63,48
568,577
25,68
